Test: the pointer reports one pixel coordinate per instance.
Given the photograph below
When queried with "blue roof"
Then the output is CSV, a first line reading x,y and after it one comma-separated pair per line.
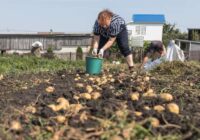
x,y
148,18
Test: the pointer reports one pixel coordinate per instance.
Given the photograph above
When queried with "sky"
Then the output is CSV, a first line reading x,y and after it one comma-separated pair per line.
x,y
78,16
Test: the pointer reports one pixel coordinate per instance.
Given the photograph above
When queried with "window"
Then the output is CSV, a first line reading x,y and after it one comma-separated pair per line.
x,y
140,30
143,30
137,30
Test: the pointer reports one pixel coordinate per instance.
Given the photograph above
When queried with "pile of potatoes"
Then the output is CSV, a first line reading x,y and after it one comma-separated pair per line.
x,y
150,94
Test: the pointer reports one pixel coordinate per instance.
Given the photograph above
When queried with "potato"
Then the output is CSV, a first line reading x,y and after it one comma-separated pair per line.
x,y
120,113
16,126
146,78
150,90
37,81
89,89
147,108
60,119
149,95
154,122
104,81
86,96
98,80
111,87
142,84
30,109
159,108
173,108
91,79
49,128
98,88
166,97
76,79
79,85
95,95
50,89
1,77
139,89
191,84
116,137
53,107
135,96
137,113
138,80
24,87
76,97
104,77
63,103
75,108
142,87
60,107
112,80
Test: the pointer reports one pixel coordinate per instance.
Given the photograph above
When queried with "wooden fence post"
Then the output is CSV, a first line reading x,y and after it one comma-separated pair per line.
x,y
70,56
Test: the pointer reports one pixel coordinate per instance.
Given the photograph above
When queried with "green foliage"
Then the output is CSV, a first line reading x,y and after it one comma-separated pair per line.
x,y
79,50
115,53
27,64
114,48
146,45
171,32
195,36
79,53
121,128
50,49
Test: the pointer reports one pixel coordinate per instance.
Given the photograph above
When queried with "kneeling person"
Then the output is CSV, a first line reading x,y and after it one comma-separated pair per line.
x,y
154,55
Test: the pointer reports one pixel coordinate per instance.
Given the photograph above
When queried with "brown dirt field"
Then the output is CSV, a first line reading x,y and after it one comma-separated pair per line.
x,y
113,113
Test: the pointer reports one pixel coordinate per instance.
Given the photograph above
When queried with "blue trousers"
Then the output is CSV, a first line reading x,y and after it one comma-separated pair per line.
x,y
122,42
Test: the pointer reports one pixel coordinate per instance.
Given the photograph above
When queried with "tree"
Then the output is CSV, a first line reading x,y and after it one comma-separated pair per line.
x,y
171,32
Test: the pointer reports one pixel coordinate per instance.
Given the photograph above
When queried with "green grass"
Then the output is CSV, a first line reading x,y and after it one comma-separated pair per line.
x,y
29,64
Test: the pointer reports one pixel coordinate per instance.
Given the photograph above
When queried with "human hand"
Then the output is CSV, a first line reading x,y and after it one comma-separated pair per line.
x,y
101,53
94,51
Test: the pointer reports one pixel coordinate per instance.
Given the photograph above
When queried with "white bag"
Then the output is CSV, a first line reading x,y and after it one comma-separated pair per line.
x,y
152,64
174,52
37,44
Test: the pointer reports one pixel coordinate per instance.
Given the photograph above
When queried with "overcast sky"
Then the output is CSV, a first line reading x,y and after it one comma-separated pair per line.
x,y
78,16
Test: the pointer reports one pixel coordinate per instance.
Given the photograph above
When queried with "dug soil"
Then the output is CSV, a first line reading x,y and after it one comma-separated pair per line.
x,y
113,113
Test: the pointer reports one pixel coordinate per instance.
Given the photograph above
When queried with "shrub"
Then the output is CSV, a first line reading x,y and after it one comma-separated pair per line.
x,y
79,53
50,49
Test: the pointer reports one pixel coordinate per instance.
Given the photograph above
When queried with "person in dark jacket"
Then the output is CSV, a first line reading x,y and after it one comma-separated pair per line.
x,y
109,28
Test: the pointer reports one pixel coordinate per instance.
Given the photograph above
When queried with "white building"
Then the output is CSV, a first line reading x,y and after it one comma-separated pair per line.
x,y
147,27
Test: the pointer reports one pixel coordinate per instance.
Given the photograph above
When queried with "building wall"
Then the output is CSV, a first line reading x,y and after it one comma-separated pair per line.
x,y
24,42
66,49
64,46
153,31
195,47
194,51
